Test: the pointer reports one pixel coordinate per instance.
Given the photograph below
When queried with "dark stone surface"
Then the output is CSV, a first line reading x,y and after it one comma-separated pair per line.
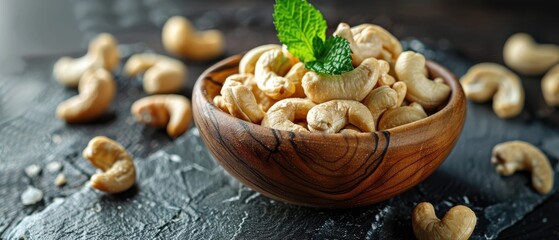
x,y
182,193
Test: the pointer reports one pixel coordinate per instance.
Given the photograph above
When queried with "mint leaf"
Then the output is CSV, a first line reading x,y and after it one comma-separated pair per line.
x,y
298,23
332,57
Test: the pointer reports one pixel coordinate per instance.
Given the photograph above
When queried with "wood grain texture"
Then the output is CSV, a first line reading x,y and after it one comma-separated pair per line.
x,y
327,170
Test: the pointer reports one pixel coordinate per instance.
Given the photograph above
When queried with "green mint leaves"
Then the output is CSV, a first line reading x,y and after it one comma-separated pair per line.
x,y
302,28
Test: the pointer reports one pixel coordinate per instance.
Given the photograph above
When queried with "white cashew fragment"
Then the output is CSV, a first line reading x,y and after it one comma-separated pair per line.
x,y
119,173
392,118
239,99
171,111
486,80
550,86
180,38
270,68
162,74
332,116
96,92
457,224
284,113
369,41
353,85
523,54
248,61
380,100
102,53
509,157
430,94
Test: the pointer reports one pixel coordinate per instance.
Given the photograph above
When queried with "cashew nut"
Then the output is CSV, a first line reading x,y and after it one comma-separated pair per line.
x,y
369,41
486,80
508,157
457,224
295,76
385,78
550,86
96,92
270,68
102,53
401,115
162,74
379,100
283,114
332,116
182,39
523,54
350,129
119,173
401,90
409,69
248,62
239,99
353,85
171,111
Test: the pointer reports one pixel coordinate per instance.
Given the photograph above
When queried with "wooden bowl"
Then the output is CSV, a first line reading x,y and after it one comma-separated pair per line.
x,y
326,170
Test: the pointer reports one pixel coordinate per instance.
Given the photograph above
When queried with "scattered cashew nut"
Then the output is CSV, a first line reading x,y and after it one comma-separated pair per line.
x,y
486,80
171,111
102,53
508,157
283,114
332,116
96,92
162,74
270,68
119,173
523,54
353,85
457,224
240,100
180,38
409,69
369,41
550,86
400,116
248,61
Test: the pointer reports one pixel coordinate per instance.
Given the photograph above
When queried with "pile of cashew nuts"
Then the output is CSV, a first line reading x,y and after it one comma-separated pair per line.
x,y
163,79
387,88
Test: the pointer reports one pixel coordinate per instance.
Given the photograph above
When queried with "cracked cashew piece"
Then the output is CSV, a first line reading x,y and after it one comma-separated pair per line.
x,y
430,94
180,38
166,110
486,80
284,113
269,71
509,157
239,99
523,54
96,92
380,100
550,86
102,53
401,115
248,61
457,224
353,85
332,116
369,41
119,173
162,74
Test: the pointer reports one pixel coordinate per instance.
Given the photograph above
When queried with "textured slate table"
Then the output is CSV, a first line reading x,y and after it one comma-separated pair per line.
x,y
182,193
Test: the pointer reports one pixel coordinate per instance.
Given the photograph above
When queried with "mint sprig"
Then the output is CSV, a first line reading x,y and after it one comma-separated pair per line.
x,y
302,28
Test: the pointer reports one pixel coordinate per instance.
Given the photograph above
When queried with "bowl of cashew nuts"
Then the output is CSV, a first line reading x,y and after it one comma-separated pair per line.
x,y
330,141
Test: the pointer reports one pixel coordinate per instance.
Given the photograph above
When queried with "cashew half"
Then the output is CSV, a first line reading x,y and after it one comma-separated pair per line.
x,y
96,92
486,80
430,94
509,157
369,41
119,173
248,62
526,56
400,116
171,111
550,86
457,224
240,100
283,114
270,68
353,85
102,53
332,116
162,74
379,100
180,38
